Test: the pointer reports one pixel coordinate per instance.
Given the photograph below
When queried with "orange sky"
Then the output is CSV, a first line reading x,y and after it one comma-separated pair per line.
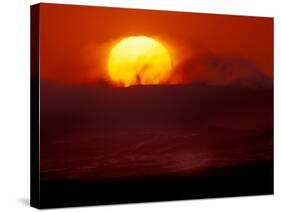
x,y
75,40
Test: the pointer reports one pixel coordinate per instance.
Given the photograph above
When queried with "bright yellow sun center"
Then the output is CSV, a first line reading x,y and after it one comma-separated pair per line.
x,y
139,60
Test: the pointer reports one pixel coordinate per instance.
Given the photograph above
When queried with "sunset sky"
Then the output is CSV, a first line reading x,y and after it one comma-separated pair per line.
x,y
75,42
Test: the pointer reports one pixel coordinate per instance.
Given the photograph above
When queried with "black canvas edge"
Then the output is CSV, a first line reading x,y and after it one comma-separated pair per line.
x,y
34,107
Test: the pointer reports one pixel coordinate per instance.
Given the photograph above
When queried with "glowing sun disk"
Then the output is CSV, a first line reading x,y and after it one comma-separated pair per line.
x,y
139,60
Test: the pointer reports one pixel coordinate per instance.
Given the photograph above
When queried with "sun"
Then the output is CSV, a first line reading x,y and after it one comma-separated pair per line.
x,y
139,60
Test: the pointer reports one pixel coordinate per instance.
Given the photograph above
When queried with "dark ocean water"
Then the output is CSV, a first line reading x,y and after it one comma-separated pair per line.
x,y
142,152
102,145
